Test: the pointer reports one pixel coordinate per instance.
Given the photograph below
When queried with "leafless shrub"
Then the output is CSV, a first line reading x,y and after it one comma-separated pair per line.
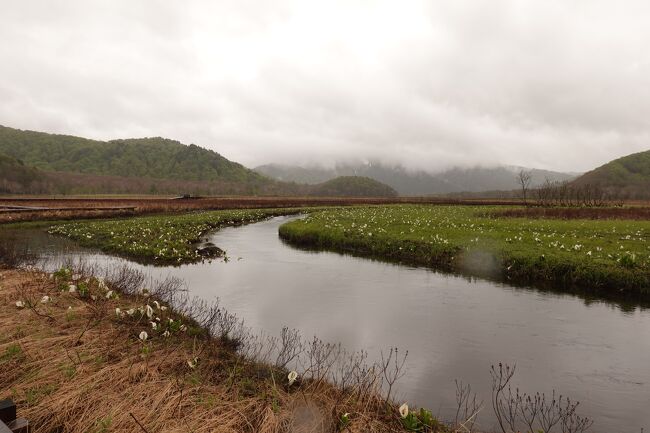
x,y
565,194
501,377
550,412
366,378
467,408
257,347
573,423
171,290
524,178
128,280
320,357
31,298
290,347
530,408
346,367
392,369
512,409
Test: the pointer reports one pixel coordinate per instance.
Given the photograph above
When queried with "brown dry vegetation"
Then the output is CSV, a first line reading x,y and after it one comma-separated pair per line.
x,y
104,207
72,365
591,213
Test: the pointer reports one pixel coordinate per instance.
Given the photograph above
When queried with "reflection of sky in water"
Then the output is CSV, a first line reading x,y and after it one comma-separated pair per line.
x,y
452,328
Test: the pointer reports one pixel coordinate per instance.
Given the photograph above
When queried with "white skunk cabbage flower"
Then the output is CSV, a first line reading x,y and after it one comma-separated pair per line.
x,y
118,312
404,410
157,305
183,328
163,308
143,336
72,288
192,362
20,304
130,311
45,299
292,376
109,294
149,311
166,334
154,325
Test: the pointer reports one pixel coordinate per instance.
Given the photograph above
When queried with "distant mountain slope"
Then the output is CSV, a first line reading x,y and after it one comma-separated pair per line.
x,y
353,186
407,182
628,176
157,158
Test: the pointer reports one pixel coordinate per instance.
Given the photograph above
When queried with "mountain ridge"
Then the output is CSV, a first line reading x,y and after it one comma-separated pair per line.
x,y
407,182
151,157
625,177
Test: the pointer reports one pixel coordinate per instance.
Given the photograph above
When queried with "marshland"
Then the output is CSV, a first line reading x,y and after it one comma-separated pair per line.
x,y
439,294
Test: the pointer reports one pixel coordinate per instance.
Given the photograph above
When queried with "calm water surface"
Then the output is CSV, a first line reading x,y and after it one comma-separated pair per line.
x,y
453,327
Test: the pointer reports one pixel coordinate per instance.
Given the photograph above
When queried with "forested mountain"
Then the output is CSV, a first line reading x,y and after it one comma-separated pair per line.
x,y
156,158
353,186
16,177
407,182
626,177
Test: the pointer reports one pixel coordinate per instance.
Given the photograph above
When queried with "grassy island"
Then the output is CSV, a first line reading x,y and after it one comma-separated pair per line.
x,y
162,239
594,255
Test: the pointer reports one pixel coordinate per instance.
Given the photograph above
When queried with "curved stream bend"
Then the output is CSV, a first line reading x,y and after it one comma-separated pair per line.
x,y
453,327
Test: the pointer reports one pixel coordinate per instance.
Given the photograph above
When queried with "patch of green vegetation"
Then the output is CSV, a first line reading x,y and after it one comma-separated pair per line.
x,y
34,395
11,352
103,425
591,254
68,370
153,157
166,239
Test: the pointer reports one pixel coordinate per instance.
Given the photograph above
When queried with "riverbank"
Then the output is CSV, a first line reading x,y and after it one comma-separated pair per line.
x,y
100,355
604,257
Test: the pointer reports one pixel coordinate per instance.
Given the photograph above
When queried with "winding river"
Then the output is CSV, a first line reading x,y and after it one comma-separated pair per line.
x,y
453,327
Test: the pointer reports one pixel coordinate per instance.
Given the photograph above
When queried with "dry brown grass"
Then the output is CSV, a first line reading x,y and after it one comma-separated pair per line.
x,y
72,365
89,207
638,213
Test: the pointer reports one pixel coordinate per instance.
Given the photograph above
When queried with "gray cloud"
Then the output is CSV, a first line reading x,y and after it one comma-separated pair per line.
x,y
553,84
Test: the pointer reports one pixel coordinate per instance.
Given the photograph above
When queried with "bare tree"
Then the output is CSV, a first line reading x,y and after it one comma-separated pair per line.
x,y
524,178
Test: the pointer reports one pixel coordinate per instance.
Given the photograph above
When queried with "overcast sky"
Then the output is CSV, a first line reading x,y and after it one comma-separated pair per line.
x,y
560,84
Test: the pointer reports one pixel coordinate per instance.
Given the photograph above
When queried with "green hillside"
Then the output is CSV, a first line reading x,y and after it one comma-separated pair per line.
x,y
157,158
17,177
353,186
628,177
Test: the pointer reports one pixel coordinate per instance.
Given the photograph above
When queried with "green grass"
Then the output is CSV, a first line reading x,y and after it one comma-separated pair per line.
x,y
596,255
159,239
